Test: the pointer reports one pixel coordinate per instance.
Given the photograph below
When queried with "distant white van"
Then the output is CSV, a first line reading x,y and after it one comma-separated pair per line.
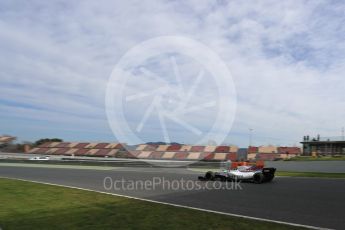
x,y
44,158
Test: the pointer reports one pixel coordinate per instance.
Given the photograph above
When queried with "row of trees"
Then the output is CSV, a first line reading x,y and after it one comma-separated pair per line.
x,y
44,140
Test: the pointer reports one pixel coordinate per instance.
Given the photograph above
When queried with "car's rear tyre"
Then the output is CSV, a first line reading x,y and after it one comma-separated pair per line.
x,y
269,178
258,178
209,175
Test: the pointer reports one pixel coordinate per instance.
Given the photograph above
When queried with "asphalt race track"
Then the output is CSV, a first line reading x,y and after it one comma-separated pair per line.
x,y
307,201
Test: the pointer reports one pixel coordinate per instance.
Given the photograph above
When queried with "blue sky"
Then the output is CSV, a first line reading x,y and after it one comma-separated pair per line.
x,y
287,61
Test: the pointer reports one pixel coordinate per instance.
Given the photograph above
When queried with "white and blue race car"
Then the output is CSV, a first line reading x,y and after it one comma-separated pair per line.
x,y
244,173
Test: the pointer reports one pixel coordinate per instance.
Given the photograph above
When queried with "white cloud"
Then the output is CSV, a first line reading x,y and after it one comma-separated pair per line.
x,y
287,60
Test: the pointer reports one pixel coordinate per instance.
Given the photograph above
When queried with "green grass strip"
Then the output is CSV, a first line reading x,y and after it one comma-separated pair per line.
x,y
26,205
324,158
310,174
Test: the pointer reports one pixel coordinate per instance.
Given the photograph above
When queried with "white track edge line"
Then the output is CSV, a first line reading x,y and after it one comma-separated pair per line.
x,y
171,204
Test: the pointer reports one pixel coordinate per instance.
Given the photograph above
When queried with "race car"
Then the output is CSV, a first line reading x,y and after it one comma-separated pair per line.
x,y
252,173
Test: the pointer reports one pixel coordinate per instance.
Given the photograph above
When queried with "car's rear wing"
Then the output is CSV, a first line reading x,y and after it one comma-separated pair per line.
x,y
268,171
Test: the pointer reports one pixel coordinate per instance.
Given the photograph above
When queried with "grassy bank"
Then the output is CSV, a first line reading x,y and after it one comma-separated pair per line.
x,y
322,158
26,205
311,174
